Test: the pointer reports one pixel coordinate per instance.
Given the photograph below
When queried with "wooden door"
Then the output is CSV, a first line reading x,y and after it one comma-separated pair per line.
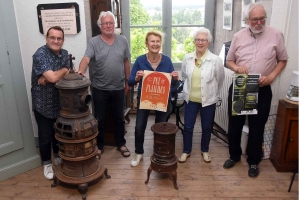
x,y
96,6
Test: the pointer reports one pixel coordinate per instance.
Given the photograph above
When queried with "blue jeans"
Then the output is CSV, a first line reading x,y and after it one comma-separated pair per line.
x,y
141,123
103,99
207,115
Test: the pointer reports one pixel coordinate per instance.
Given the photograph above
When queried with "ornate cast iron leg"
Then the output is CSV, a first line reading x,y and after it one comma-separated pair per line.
x,y
105,173
83,188
54,184
148,174
174,177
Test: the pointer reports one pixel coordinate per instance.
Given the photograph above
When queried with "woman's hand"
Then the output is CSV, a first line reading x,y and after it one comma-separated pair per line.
x,y
174,74
139,75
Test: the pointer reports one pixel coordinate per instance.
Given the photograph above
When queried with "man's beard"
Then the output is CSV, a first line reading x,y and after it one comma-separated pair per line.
x,y
254,31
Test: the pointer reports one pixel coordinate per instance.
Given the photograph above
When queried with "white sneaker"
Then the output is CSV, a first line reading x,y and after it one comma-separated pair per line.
x,y
136,160
48,171
57,161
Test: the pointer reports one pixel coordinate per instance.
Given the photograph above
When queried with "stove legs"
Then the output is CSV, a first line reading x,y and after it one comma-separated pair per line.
x,y
148,174
174,177
54,184
105,173
83,188
172,173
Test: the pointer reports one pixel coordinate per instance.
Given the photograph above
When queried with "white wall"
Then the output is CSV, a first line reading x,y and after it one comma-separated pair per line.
x,y
31,39
289,25
285,18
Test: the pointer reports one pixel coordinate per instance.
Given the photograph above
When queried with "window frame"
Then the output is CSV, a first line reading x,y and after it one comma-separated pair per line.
x,y
167,24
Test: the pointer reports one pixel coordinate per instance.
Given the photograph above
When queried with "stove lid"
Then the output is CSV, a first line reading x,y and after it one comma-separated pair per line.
x,y
164,128
72,81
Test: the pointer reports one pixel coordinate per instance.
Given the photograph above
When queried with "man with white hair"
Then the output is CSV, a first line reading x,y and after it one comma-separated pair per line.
x,y
108,55
257,49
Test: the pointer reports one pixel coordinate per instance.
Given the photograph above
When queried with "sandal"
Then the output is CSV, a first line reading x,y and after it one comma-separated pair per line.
x,y
124,151
206,157
183,157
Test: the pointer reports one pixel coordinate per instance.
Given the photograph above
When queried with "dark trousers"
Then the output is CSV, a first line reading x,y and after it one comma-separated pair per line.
x,y
46,134
207,114
104,99
256,128
141,124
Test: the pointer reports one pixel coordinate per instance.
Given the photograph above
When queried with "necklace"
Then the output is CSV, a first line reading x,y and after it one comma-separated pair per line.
x,y
151,60
198,63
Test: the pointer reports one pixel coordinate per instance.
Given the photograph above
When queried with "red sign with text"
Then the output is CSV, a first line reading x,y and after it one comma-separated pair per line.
x,y
155,91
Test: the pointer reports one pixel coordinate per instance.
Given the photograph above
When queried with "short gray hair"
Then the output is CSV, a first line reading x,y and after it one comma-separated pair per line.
x,y
104,14
202,30
250,7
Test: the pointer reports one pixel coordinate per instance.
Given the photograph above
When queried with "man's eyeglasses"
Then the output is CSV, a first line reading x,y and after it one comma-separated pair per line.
x,y
107,23
59,39
200,40
255,20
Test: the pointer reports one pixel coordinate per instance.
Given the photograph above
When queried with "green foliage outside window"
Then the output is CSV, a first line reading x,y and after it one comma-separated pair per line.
x,y
182,42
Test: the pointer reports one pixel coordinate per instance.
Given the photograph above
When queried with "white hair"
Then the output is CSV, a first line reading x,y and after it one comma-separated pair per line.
x,y
250,7
104,14
202,30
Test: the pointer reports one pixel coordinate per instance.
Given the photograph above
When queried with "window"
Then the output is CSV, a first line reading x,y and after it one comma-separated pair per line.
x,y
176,18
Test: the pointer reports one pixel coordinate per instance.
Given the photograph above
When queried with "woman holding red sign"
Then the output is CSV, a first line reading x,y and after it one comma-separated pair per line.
x,y
151,61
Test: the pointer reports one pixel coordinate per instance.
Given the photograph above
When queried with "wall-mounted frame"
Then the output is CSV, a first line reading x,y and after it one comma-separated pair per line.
x,y
244,4
227,14
65,15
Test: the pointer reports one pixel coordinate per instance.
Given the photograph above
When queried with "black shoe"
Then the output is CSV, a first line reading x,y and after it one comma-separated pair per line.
x,y
253,171
230,163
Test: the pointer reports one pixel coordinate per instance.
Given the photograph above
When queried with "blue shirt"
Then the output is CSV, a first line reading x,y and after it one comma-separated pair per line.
x,y
141,63
45,98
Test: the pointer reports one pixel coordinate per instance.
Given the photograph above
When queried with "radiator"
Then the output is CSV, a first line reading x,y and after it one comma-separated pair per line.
x,y
221,115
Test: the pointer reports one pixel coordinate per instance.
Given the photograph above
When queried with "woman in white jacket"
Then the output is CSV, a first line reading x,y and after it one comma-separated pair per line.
x,y
203,75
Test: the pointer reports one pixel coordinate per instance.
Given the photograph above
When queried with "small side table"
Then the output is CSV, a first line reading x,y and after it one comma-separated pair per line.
x,y
284,152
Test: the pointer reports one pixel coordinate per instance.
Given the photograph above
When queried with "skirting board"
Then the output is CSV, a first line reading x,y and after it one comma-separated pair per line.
x,y
20,167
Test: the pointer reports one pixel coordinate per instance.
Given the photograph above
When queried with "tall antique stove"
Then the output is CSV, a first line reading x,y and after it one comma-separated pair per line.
x,y
164,159
76,131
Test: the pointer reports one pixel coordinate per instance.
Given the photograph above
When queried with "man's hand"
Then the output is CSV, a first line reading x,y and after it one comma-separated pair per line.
x,y
237,69
42,81
265,80
241,70
127,88
81,73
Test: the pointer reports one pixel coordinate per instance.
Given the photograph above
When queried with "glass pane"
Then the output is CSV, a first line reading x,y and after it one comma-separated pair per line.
x,y
188,12
137,41
145,12
182,42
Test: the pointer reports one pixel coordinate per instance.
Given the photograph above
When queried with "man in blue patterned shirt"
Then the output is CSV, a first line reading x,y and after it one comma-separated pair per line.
x,y
49,66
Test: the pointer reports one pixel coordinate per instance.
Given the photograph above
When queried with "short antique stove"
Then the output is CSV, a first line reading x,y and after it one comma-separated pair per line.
x,y
76,131
164,159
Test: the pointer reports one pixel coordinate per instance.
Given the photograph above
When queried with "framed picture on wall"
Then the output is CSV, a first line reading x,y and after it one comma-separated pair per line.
x,y
244,4
227,14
